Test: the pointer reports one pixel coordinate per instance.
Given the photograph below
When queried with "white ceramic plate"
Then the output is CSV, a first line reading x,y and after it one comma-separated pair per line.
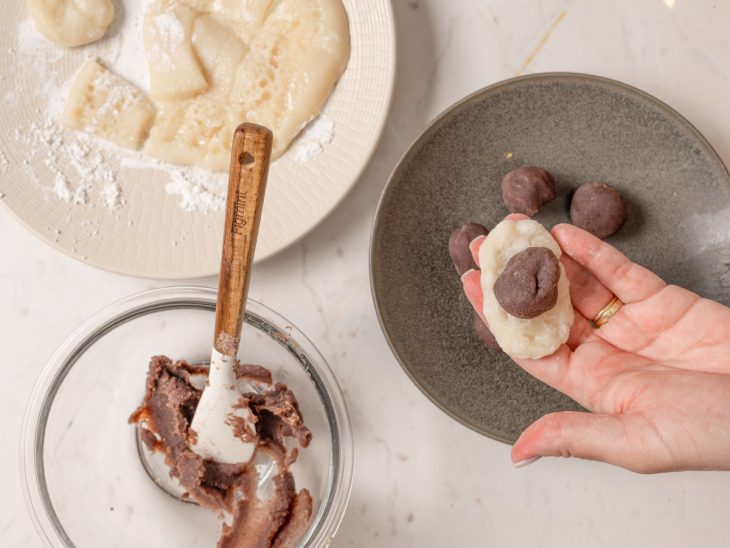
x,y
149,234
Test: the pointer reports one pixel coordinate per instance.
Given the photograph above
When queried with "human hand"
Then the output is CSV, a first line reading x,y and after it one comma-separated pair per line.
x,y
656,376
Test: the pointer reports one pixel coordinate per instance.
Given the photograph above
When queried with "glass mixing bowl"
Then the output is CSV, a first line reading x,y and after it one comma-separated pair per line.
x,y
85,484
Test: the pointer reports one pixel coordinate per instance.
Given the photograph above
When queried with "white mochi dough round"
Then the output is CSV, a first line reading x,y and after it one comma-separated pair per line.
x,y
520,338
72,23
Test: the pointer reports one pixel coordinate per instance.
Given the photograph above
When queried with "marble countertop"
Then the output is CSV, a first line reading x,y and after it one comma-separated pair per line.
x,y
421,479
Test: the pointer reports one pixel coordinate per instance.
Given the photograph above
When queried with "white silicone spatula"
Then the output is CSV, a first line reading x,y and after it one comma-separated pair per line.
x,y
250,158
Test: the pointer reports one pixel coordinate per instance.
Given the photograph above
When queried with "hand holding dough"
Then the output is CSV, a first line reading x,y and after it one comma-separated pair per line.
x,y
105,104
523,338
72,22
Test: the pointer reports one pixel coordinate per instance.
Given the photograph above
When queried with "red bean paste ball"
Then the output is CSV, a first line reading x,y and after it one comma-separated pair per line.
x,y
528,285
484,334
459,246
463,261
598,208
526,189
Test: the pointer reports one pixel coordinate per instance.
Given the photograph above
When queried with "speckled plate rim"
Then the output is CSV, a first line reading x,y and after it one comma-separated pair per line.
x,y
192,274
432,128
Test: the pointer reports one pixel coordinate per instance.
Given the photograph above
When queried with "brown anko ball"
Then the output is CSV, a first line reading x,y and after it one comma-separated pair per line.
x,y
598,208
528,285
459,246
526,189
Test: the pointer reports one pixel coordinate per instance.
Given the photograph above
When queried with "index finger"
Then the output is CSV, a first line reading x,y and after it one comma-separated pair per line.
x,y
627,280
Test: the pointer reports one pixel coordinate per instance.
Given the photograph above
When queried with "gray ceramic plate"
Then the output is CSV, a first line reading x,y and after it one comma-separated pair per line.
x,y
581,128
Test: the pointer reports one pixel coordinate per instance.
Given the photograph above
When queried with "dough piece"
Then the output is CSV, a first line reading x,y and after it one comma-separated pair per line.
x,y
173,66
523,338
528,285
459,246
294,62
526,189
72,23
105,104
197,132
598,208
274,64
244,16
220,52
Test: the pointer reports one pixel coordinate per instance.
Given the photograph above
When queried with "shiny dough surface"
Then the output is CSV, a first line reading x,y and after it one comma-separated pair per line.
x,y
214,64
72,23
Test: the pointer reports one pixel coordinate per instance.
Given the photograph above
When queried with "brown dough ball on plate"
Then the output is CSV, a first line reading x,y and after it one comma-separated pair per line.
x,y
461,257
528,285
459,246
598,208
526,189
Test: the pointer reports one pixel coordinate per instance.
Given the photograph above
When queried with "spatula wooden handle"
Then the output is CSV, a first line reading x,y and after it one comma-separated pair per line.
x,y
250,158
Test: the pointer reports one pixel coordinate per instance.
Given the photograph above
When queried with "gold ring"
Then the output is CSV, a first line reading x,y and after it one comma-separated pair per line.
x,y
608,312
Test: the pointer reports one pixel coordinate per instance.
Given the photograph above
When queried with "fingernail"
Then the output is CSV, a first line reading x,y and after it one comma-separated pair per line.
x,y
475,241
526,462
465,274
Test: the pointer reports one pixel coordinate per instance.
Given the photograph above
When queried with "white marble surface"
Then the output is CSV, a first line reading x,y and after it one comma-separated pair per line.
x,y
421,479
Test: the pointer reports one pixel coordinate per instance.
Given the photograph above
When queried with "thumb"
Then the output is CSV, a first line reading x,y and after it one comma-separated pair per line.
x,y
575,434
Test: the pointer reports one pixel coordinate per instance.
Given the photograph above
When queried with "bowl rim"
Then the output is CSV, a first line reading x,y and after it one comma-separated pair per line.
x,y
432,127
48,526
